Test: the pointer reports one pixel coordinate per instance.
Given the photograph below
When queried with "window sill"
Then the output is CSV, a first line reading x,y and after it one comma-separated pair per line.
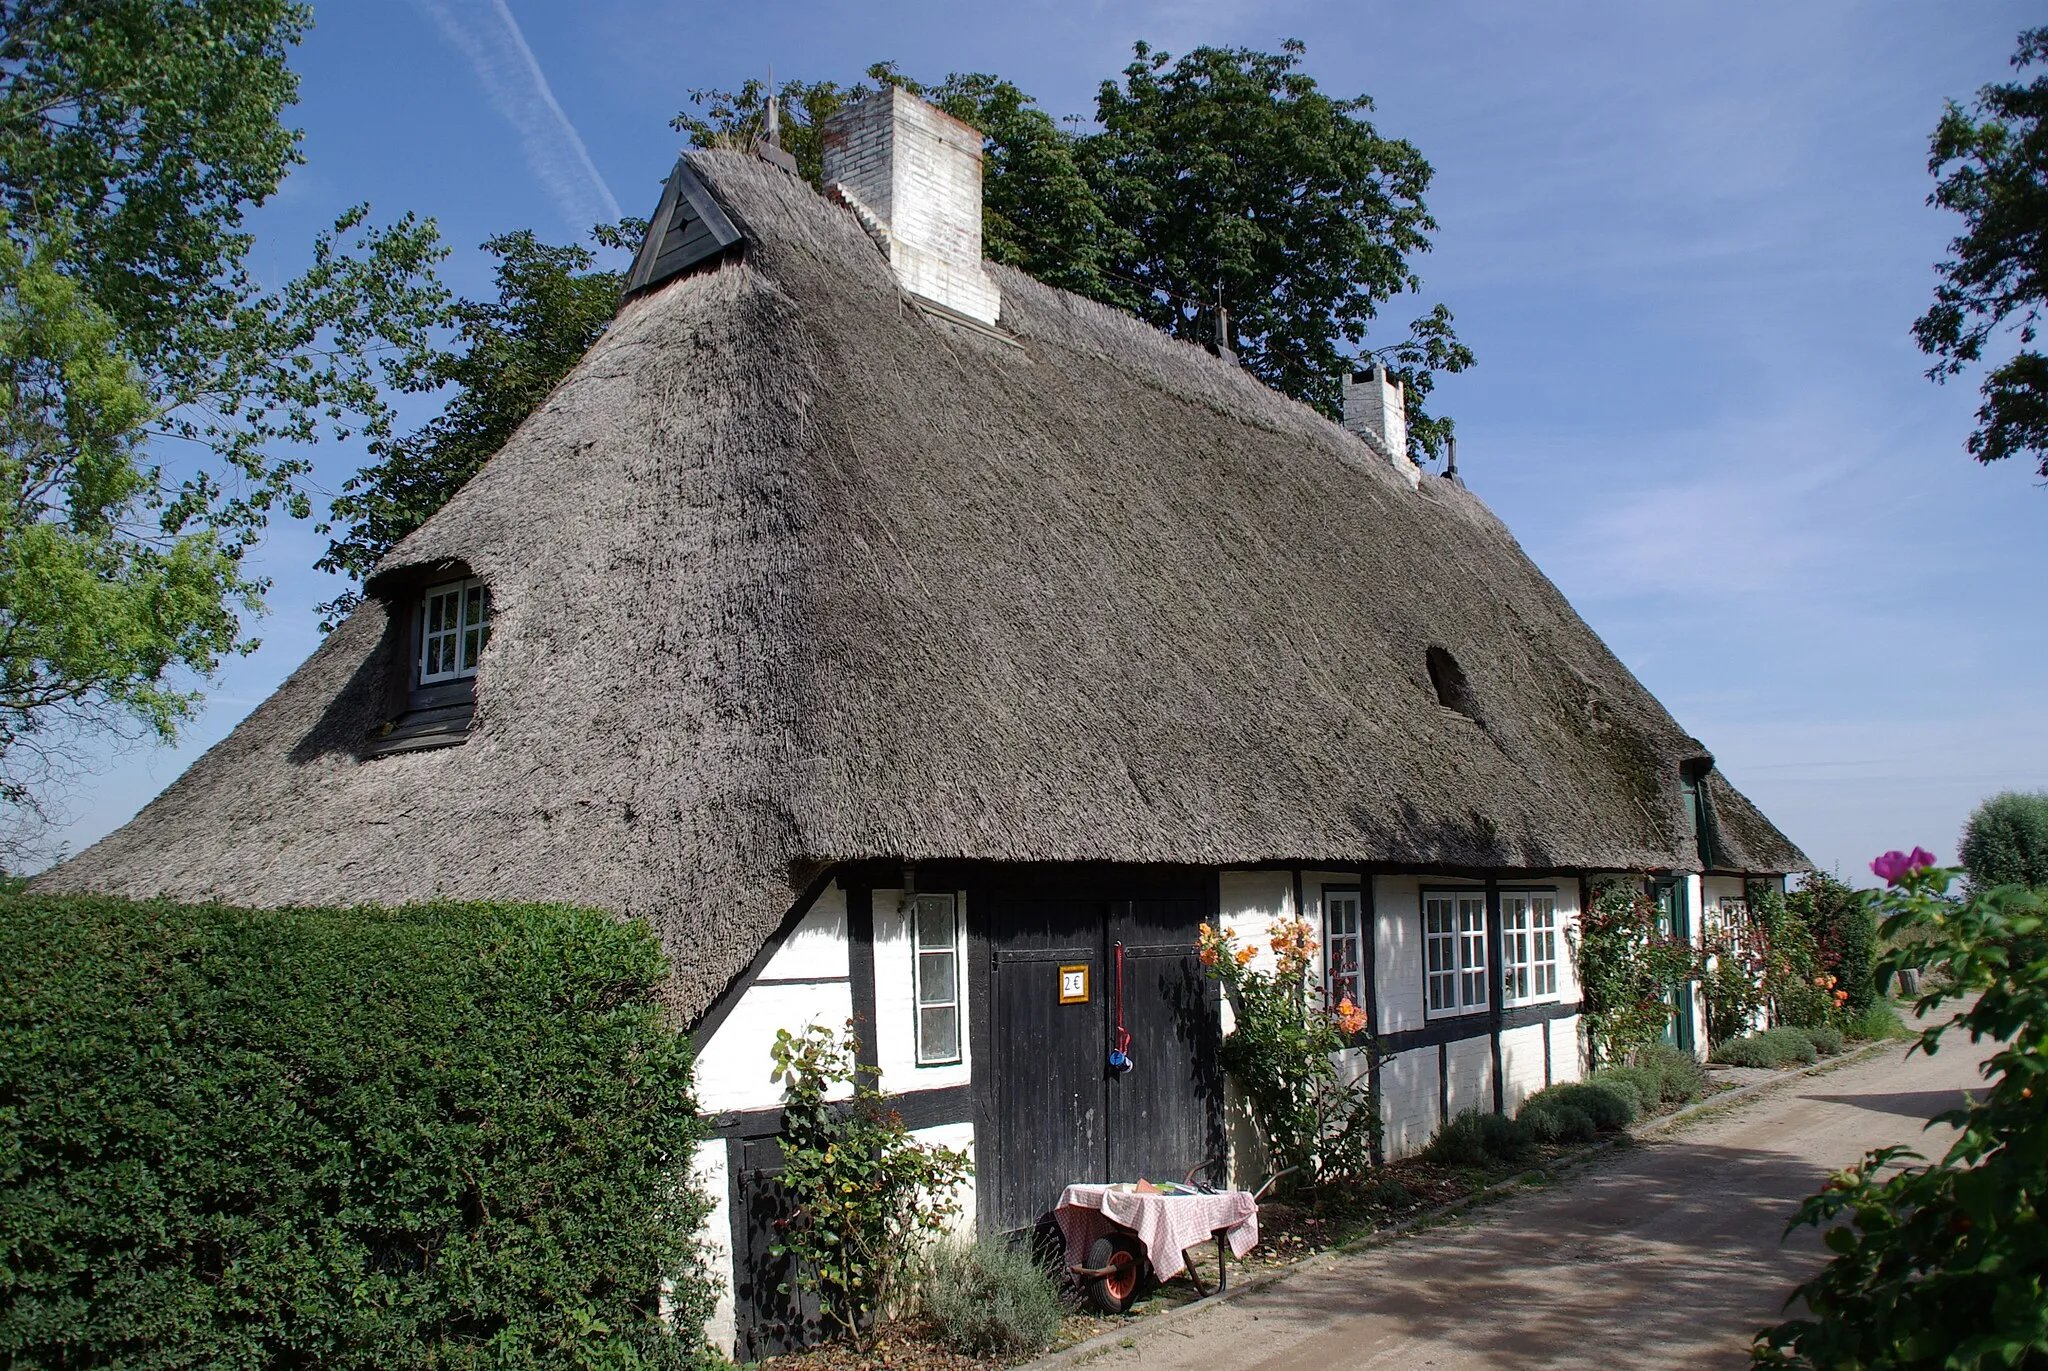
x,y
1440,1015
418,730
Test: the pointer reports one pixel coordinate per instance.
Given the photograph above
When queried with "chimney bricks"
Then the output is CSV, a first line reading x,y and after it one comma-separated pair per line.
x,y
1375,407
916,171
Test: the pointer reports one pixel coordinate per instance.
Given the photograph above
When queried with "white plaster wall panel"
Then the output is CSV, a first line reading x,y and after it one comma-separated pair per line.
x,y
1409,1098
1249,1160
1719,888
1567,940
1471,1075
816,947
1521,1056
709,1174
959,1137
1695,901
1249,903
1397,920
734,1067
1567,1049
895,1027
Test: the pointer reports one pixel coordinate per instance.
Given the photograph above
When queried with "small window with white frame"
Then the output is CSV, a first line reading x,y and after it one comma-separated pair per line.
x,y
1454,952
935,935
455,625
1528,945
1343,948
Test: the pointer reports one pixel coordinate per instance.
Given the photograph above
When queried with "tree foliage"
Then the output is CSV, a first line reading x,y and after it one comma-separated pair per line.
x,y
1225,176
135,138
1946,1265
1990,165
97,602
507,355
2006,841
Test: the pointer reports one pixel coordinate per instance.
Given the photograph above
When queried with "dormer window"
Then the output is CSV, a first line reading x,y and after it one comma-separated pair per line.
x,y
455,623
441,630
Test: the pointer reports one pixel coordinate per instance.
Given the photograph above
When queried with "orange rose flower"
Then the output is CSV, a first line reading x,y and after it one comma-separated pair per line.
x,y
1244,954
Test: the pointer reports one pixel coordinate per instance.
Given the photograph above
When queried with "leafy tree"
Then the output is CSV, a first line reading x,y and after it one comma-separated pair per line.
x,y
97,601
1224,177
511,352
1990,165
2006,841
1944,1265
135,136
1235,174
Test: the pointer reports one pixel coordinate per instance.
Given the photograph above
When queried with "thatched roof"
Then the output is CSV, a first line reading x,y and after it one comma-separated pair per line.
x,y
790,571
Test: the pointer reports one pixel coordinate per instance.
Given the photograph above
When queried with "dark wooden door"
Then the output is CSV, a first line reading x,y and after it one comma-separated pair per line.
x,y
1051,1117
1161,1115
1050,1110
770,1320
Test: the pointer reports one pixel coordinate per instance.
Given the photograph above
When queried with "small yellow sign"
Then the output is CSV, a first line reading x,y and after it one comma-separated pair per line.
x,y
1074,984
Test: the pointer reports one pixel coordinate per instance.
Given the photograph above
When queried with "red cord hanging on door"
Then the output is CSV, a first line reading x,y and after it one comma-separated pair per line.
x,y
1120,1040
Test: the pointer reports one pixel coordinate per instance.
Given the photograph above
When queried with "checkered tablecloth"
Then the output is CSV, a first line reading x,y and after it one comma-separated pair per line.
x,y
1167,1224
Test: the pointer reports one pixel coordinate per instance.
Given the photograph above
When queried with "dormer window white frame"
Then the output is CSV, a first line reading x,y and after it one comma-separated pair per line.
x,y
454,628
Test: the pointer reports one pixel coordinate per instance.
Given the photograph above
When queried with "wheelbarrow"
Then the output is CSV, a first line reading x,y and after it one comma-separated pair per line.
x,y
1117,1268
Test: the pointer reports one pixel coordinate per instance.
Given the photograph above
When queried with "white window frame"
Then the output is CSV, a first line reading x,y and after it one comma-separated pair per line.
x,y
1341,944
464,637
949,954
1455,979
1529,927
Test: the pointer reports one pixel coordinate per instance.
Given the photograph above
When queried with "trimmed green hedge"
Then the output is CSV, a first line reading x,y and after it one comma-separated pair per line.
x,y
443,1136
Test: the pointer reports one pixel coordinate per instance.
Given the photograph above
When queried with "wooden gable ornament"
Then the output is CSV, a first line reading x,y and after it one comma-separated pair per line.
x,y
688,229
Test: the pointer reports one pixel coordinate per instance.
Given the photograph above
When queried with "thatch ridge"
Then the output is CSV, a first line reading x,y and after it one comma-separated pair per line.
x,y
789,571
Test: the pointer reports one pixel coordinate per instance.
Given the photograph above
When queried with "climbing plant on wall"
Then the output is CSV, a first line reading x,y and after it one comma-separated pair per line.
x,y
1317,1114
1629,967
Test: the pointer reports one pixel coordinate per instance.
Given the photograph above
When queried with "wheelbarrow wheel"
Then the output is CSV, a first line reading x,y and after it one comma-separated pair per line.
x,y
1124,1268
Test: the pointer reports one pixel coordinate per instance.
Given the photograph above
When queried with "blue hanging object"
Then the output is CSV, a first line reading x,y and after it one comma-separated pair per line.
x,y
1119,1060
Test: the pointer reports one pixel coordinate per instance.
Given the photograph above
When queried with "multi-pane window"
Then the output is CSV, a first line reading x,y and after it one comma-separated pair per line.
x,y
1528,945
1343,949
937,939
1454,950
455,623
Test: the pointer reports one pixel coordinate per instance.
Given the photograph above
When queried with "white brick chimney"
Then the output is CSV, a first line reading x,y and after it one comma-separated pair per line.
x,y
913,173
1375,408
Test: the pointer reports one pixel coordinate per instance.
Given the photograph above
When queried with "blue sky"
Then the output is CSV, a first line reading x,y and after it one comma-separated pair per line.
x,y
1685,240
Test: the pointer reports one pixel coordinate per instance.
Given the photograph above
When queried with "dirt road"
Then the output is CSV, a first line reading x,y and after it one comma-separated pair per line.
x,y
1665,1255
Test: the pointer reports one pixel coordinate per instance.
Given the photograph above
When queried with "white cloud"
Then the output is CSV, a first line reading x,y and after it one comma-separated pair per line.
x,y
485,32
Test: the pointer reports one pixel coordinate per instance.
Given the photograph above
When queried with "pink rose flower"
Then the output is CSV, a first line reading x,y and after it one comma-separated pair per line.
x,y
1895,867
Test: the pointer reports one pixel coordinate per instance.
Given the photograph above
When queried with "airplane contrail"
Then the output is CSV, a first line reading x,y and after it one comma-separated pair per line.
x,y
485,32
